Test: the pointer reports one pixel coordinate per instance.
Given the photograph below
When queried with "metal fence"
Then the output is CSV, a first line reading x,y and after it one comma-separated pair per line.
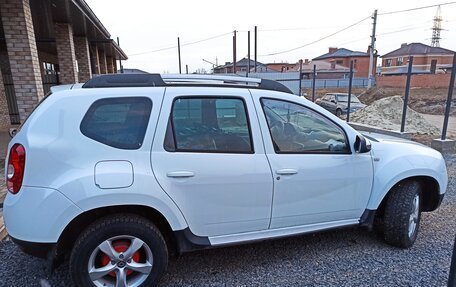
x,y
11,99
291,80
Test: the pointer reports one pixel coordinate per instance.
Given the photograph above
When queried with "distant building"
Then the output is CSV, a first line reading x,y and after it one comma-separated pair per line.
x,y
280,67
343,57
426,60
241,66
324,70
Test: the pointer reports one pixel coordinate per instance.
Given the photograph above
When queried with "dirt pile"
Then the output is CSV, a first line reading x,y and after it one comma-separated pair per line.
x,y
386,113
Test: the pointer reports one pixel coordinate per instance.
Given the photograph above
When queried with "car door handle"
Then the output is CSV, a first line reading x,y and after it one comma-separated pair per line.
x,y
180,174
286,171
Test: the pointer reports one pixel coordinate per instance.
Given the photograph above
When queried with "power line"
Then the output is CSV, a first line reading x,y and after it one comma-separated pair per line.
x,y
417,8
318,40
182,45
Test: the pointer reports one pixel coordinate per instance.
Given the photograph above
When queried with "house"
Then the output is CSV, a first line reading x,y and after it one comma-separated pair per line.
x,y
241,66
324,70
343,57
426,60
280,67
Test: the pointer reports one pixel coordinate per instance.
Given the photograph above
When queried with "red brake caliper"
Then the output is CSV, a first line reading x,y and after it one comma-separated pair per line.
x,y
119,246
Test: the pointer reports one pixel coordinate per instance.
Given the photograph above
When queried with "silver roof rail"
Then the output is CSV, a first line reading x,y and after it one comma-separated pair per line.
x,y
208,79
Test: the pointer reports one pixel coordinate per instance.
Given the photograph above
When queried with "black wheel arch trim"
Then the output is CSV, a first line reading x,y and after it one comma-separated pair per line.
x,y
187,241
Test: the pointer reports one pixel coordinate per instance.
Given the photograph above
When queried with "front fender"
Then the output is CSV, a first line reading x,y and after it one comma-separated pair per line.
x,y
396,161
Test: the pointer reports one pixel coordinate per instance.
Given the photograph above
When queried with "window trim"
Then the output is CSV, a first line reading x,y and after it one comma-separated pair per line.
x,y
118,100
171,123
348,151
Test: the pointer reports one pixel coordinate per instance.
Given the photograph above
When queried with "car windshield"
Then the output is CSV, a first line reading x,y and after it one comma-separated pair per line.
x,y
344,98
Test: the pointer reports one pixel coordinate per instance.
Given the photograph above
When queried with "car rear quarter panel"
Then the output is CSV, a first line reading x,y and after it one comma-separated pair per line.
x,y
60,157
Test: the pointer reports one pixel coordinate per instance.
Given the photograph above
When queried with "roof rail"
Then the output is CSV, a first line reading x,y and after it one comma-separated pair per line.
x,y
166,80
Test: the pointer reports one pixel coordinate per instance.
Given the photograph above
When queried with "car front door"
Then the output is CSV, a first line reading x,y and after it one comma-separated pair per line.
x,y
317,177
211,160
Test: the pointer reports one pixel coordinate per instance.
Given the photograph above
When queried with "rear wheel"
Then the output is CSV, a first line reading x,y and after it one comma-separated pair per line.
x,y
403,214
338,112
122,250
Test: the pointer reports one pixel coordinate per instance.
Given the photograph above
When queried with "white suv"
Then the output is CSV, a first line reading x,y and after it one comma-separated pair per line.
x,y
116,173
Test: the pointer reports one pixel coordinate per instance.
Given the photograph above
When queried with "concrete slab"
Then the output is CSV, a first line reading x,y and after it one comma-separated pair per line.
x,y
366,128
444,146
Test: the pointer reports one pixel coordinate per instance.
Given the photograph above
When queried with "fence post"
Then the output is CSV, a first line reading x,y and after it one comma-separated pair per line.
x,y
407,91
449,99
313,82
350,80
300,74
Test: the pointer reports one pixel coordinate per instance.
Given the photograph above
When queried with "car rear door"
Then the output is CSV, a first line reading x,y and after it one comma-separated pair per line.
x,y
208,156
317,178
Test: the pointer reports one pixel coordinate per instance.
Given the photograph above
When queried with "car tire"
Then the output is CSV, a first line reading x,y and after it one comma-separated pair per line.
x,y
140,256
338,112
403,214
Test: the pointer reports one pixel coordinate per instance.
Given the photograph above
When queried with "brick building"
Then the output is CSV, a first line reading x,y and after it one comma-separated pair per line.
x,y
324,70
45,43
241,66
426,60
343,57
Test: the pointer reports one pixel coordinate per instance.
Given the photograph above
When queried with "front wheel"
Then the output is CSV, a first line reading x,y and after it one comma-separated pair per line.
x,y
121,250
338,112
403,214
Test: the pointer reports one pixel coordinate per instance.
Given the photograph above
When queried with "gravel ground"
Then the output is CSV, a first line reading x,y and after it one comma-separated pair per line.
x,y
350,257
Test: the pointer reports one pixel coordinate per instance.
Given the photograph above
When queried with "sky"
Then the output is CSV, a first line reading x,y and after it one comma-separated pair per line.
x,y
145,26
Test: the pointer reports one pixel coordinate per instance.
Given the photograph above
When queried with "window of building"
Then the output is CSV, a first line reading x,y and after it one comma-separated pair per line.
x,y
355,63
209,125
49,68
339,62
400,61
118,122
388,62
297,129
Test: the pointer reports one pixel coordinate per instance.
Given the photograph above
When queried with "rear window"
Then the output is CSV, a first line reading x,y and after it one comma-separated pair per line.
x,y
118,122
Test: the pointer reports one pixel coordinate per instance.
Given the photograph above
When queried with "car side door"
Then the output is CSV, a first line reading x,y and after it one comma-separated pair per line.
x,y
318,178
211,160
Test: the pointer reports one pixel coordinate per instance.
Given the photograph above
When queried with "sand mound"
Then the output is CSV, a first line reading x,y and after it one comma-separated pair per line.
x,y
386,113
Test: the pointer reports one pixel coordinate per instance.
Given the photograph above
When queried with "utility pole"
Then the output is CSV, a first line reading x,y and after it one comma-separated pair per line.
x,y
234,52
300,75
248,53
179,54
186,69
256,33
371,50
120,59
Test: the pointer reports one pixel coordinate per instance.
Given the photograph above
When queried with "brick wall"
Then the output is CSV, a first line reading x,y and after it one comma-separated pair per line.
x,y
421,60
66,54
22,53
81,46
417,81
102,61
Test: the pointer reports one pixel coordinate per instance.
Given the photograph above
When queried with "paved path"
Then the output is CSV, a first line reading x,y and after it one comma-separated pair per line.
x,y
437,120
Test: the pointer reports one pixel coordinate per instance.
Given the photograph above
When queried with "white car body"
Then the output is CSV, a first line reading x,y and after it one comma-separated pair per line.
x,y
214,198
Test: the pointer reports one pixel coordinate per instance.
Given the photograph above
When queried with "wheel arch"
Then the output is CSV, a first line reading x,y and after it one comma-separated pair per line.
x,y
430,191
72,231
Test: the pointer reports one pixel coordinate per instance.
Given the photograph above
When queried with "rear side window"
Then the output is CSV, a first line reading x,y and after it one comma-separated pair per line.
x,y
217,125
118,122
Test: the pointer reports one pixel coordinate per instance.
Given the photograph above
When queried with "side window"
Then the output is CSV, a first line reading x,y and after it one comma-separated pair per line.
x,y
118,122
296,129
209,125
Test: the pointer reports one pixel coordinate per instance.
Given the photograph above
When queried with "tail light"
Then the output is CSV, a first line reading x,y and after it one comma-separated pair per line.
x,y
15,169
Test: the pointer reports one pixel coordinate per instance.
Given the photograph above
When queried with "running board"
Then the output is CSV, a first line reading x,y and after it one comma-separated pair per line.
x,y
277,233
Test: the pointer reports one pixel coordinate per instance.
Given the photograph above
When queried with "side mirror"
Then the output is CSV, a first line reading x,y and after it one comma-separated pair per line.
x,y
333,101
362,145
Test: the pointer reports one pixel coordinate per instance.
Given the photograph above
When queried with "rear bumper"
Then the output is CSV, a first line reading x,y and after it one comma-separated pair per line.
x,y
41,250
